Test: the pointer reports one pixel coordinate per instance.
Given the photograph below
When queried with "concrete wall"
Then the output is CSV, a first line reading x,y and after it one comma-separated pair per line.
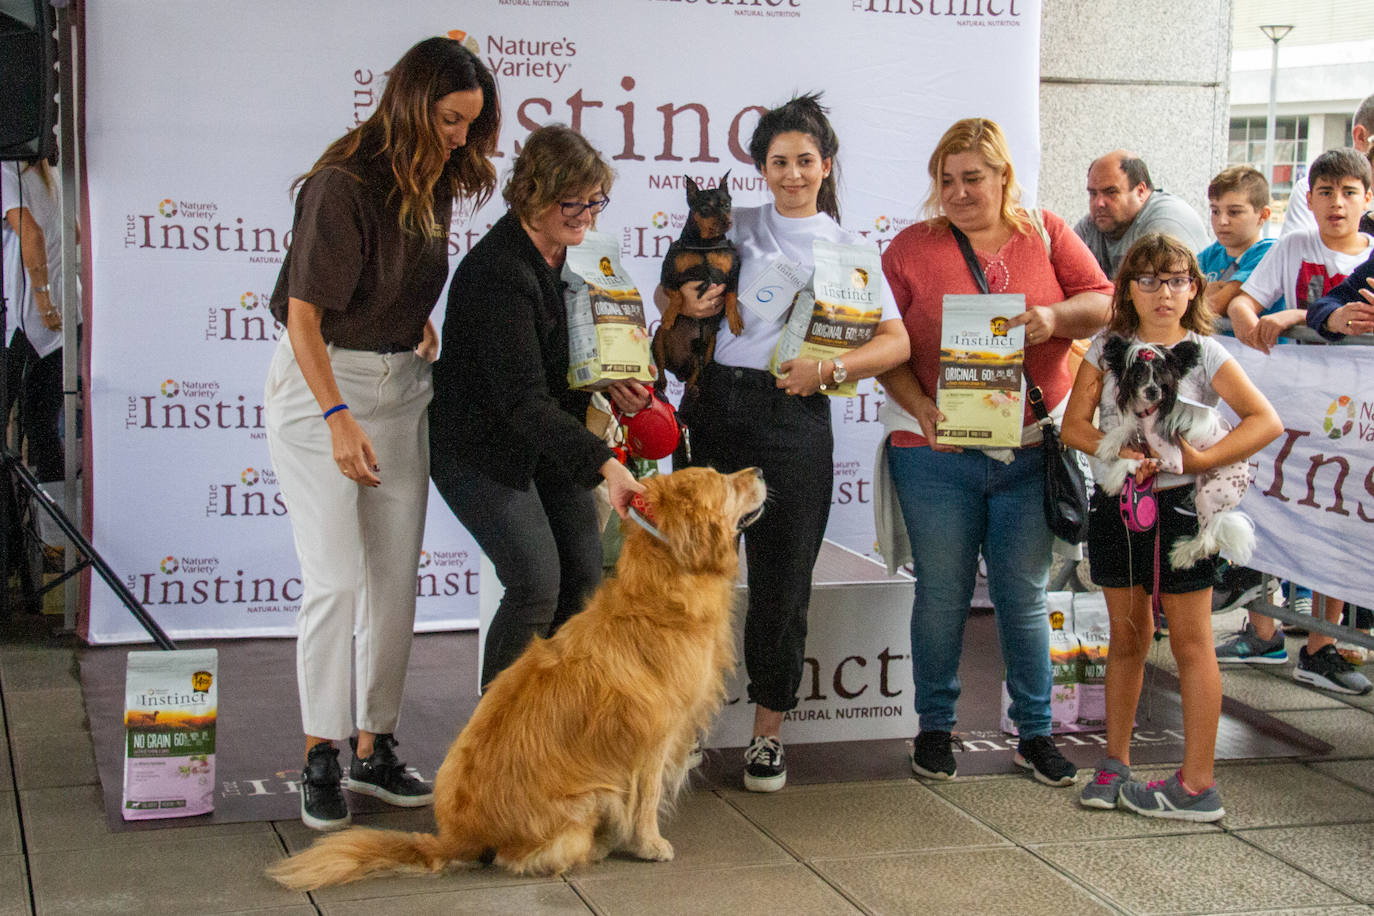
x,y
1149,76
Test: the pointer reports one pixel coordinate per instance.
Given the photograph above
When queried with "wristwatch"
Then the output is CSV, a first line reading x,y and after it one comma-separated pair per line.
x,y
839,373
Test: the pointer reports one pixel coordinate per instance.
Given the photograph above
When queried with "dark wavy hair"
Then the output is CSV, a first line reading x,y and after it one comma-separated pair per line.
x,y
803,114
403,134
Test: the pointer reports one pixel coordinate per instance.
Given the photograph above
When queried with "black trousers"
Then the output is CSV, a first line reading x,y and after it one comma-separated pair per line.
x,y
36,383
543,541
740,419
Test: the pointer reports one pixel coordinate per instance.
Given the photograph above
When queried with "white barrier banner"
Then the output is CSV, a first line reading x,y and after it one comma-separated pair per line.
x,y
1312,498
189,165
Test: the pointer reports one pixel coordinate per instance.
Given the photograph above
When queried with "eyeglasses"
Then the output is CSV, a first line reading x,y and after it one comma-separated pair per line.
x,y
577,208
1149,283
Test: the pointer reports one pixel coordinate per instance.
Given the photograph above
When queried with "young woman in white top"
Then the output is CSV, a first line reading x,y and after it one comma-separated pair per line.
x,y
743,416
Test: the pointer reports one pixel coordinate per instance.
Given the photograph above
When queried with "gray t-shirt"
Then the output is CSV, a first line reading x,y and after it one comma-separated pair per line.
x,y
1162,212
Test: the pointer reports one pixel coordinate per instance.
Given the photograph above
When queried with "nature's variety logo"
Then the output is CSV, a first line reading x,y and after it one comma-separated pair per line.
x,y
249,476
424,559
465,40
659,219
167,207
882,224
249,300
1340,417
169,565
170,388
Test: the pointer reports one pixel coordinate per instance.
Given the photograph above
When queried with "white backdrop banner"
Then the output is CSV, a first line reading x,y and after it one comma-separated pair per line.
x,y
189,168
1312,498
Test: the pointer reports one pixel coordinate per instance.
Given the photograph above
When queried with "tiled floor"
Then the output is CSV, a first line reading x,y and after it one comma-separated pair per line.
x,y
1299,837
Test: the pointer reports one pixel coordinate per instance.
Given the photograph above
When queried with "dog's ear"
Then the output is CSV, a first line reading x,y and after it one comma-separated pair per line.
x,y
1114,355
690,511
1187,354
692,190
724,184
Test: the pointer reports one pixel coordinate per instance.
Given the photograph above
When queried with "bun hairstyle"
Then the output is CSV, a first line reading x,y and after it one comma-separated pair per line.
x,y
803,114
403,136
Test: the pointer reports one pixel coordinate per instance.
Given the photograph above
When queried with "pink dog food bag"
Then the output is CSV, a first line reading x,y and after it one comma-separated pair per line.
x,y
170,702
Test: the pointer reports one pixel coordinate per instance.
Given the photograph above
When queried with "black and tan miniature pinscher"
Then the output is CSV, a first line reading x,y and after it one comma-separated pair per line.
x,y
702,255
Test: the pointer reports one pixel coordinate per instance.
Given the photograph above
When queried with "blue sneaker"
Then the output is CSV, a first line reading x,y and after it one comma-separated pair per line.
x,y
1247,646
1168,798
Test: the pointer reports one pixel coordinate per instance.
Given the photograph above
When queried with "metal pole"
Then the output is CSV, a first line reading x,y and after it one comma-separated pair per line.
x,y
71,304
1273,114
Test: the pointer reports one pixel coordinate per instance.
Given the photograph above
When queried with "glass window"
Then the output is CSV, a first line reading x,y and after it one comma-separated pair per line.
x,y
1247,147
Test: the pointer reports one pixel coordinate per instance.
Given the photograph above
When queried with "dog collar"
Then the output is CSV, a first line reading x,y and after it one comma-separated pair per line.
x,y
1145,413
642,515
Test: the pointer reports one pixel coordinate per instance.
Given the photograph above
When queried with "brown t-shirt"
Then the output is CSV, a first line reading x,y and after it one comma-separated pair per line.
x,y
376,283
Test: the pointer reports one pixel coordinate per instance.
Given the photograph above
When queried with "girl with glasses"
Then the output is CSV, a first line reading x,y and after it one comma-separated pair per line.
x,y
511,453
1159,302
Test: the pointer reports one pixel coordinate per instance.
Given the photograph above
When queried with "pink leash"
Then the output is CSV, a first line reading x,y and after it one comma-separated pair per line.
x,y
1140,512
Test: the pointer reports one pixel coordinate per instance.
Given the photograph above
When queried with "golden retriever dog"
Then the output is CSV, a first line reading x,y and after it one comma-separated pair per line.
x,y
573,749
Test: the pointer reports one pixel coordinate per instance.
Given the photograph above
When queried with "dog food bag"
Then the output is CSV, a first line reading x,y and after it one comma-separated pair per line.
x,y
607,336
1093,628
838,311
169,733
1064,663
981,388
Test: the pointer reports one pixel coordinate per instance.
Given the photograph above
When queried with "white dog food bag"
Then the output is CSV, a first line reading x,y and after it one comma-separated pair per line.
x,y
1064,662
170,701
608,338
837,312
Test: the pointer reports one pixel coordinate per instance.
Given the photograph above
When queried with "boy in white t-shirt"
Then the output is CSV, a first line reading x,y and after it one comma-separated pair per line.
x,y
1302,267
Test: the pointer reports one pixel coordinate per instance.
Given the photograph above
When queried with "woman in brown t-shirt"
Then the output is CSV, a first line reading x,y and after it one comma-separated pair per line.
x,y
347,395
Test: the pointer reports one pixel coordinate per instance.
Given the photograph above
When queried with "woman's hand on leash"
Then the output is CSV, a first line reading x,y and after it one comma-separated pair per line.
x,y
702,304
629,395
621,486
1039,321
353,450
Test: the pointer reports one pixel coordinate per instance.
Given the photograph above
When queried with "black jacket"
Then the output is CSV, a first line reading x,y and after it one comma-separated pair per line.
x,y
501,399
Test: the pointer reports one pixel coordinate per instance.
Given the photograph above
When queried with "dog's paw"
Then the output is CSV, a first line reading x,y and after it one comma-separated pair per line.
x,y
656,849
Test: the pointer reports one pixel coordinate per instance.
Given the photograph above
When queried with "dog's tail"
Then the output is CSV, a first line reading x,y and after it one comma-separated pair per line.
x,y
1231,531
360,852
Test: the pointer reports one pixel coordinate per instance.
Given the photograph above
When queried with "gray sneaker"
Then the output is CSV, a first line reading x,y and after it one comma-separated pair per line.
x,y
1326,669
1247,646
1167,798
1106,783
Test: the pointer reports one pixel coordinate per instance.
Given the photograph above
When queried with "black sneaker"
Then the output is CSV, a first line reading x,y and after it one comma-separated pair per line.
x,y
1042,758
764,767
1326,669
383,776
322,802
932,755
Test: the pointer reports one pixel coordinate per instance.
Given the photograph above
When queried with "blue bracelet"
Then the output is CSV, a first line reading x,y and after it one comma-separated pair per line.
x,y
335,409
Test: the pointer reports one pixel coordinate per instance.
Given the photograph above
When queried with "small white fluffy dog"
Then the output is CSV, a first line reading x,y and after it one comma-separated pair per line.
x,y
1153,419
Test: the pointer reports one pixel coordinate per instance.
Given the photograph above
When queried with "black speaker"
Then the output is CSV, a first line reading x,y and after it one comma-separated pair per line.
x,y
28,52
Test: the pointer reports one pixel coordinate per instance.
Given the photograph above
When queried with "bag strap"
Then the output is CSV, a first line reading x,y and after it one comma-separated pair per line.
x,y
1034,395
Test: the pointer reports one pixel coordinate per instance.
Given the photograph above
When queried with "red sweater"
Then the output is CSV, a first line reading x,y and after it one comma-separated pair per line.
x,y
923,263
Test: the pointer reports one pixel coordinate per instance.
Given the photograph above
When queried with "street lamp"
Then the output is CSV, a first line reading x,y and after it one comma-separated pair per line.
x,y
1276,34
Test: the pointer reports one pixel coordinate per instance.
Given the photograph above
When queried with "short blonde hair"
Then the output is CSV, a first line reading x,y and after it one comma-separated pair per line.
x,y
985,137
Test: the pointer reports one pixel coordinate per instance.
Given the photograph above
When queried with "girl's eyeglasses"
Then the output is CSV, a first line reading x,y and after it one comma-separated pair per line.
x,y
572,208
1149,283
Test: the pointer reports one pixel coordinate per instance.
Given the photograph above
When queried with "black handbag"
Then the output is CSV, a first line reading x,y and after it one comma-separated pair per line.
x,y
1066,493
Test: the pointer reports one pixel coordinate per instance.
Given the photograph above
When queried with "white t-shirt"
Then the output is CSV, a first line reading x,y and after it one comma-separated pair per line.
x,y
1301,269
762,234
1196,386
26,189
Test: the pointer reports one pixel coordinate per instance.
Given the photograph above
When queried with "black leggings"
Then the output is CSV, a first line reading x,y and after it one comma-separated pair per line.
x,y
741,419
36,382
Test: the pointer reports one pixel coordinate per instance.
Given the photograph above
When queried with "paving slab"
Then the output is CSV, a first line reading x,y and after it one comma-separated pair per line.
x,y
763,888
1342,855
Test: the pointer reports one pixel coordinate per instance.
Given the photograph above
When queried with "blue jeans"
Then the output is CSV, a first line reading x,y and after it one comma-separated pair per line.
x,y
956,505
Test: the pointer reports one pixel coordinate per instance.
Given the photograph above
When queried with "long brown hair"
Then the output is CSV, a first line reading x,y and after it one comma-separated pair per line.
x,y
402,133
985,137
1154,254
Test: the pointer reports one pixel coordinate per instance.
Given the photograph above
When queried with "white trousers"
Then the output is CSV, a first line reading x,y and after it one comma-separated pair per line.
x,y
359,547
